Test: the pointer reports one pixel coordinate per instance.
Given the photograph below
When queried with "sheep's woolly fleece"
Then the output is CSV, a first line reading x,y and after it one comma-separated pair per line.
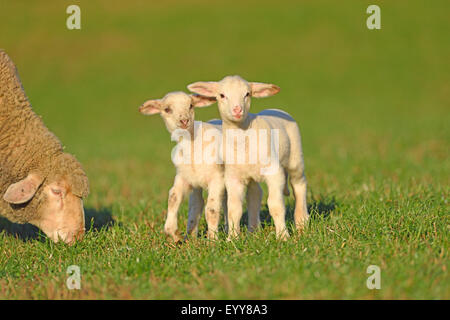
x,y
26,145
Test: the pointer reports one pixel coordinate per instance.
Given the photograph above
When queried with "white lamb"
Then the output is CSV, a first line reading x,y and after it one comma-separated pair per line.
x,y
277,137
198,164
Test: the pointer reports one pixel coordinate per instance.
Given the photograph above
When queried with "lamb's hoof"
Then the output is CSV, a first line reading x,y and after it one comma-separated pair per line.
x,y
283,236
212,236
174,236
177,238
301,226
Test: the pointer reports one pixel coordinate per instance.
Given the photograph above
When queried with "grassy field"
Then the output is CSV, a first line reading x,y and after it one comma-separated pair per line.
x,y
372,105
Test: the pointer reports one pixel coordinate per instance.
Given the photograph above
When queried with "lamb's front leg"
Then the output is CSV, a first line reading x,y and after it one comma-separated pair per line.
x,y
196,204
176,195
216,191
235,193
275,202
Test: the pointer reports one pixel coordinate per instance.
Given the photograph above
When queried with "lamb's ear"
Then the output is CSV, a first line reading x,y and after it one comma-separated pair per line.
x,y
202,101
24,190
151,107
262,90
204,88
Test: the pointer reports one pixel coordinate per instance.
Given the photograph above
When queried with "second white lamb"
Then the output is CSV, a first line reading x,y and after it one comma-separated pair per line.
x,y
198,164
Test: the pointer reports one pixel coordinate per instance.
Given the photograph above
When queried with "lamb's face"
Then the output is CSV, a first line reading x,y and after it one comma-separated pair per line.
x,y
233,95
61,213
176,109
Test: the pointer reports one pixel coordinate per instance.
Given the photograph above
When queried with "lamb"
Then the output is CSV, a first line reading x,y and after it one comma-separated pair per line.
x,y
39,183
196,169
233,95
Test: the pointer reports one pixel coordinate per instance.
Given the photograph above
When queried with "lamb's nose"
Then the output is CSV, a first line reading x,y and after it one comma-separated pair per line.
x,y
237,109
184,122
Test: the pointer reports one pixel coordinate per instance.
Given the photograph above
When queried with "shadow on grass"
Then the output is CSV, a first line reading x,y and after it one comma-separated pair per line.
x,y
95,220
318,208
24,232
98,219
322,207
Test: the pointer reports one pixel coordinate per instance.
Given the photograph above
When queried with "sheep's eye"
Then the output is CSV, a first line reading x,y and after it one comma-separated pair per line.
x,y
247,94
167,110
56,191
191,106
222,95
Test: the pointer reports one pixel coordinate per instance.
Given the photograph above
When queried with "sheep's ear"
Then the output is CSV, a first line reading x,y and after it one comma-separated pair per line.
x,y
202,101
24,190
262,90
204,88
151,107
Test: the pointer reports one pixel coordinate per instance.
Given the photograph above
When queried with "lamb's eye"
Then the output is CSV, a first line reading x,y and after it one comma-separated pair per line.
x,y
56,191
247,94
168,110
222,95
191,106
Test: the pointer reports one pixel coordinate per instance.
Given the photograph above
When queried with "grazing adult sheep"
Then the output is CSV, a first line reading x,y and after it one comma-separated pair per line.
x,y
39,183
198,164
276,135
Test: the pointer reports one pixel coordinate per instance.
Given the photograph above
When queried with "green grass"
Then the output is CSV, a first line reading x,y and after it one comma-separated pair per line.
x,y
373,108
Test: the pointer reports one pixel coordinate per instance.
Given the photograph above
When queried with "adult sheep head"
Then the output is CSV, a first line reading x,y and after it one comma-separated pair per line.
x,y
55,195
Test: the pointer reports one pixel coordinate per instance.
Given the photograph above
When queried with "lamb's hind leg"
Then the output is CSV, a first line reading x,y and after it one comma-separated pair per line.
x,y
196,204
254,198
225,210
301,216
286,187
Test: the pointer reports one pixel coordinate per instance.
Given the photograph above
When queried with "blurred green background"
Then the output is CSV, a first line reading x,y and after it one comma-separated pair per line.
x,y
372,105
